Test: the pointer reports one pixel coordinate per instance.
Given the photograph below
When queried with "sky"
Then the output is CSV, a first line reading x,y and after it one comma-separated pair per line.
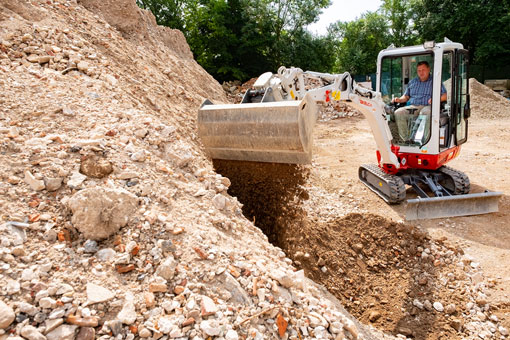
x,y
344,10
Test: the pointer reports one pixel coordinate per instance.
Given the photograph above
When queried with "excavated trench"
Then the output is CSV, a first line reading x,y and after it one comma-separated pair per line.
x,y
375,267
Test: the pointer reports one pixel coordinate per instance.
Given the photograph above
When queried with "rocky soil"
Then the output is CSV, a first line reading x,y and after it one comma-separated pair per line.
x,y
115,225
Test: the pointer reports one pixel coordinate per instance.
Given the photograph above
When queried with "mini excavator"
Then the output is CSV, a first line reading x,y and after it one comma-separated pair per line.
x,y
274,123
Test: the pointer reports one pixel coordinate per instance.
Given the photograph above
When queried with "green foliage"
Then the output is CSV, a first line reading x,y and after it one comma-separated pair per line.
x,y
308,52
399,16
480,25
240,39
359,42
167,12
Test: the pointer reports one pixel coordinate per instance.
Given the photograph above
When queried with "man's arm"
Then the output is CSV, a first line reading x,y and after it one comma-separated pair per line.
x,y
444,96
402,99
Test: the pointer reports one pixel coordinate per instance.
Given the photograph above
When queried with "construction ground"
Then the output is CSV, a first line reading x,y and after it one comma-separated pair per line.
x,y
114,224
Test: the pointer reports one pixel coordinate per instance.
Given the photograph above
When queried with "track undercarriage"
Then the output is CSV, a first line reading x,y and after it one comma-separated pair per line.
x,y
441,193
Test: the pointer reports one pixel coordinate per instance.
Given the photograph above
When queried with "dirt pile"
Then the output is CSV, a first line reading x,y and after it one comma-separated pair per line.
x,y
99,114
486,103
392,276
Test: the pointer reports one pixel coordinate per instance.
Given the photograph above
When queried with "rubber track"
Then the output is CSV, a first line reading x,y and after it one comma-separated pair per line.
x,y
395,183
460,180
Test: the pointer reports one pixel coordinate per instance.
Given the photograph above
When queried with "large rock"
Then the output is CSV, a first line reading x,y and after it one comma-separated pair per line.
x,y
128,313
63,332
100,212
167,269
96,293
95,166
6,315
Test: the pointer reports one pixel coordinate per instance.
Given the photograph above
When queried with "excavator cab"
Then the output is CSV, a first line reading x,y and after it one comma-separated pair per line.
x,y
446,126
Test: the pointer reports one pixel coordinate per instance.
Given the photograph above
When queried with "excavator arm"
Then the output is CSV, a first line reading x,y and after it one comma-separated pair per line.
x,y
275,120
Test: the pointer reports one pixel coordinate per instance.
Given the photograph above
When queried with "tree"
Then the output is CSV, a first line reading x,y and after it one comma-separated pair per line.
x,y
308,52
399,16
239,39
480,25
359,42
167,12
284,21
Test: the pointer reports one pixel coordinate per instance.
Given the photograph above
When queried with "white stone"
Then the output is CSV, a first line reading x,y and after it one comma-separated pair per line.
x,y
127,175
144,333
83,66
29,275
100,212
7,315
96,294
128,313
47,302
57,313
76,180
139,156
210,327
31,333
63,332
418,304
438,306
320,332
317,320
503,330
231,335
35,184
282,277
64,288
106,254
165,324
51,324
27,308
13,287
167,269
220,201
207,305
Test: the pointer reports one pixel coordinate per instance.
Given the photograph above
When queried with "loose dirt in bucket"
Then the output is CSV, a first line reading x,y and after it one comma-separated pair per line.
x,y
386,274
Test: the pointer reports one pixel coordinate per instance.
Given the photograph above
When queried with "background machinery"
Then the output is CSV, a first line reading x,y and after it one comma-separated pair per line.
x,y
274,123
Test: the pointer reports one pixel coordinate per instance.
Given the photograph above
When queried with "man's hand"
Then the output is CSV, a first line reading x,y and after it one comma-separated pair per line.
x,y
402,99
430,101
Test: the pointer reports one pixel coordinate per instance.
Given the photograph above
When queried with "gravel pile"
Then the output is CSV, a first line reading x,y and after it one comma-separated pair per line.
x,y
114,224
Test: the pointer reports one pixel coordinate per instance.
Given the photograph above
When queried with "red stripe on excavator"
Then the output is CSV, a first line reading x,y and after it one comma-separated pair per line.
x,y
420,161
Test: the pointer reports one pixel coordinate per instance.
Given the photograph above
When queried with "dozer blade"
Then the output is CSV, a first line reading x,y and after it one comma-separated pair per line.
x,y
451,206
277,132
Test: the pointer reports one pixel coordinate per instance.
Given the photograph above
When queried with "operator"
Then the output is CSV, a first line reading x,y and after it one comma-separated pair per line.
x,y
419,96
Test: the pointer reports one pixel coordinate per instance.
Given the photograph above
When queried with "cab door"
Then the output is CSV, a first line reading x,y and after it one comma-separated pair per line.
x,y
461,109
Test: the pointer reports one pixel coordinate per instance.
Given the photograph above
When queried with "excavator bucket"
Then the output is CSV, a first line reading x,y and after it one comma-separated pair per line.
x,y
276,132
452,206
